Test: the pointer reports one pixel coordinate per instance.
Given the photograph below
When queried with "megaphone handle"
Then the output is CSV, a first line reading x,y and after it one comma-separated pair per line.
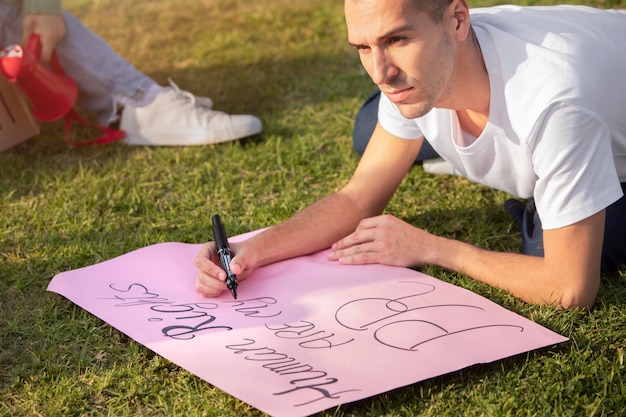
x,y
109,135
34,45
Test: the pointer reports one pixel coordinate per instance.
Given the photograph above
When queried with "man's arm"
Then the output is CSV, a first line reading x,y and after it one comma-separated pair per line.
x,y
567,276
381,169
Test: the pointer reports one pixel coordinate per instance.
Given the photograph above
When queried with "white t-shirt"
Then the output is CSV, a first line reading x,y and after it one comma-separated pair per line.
x,y
557,118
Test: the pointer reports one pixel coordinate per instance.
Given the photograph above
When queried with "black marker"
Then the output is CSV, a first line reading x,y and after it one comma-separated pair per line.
x,y
223,251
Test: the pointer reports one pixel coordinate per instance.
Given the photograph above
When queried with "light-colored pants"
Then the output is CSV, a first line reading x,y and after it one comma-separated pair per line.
x,y
102,75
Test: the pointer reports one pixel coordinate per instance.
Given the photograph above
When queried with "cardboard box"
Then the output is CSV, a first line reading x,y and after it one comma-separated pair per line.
x,y
16,121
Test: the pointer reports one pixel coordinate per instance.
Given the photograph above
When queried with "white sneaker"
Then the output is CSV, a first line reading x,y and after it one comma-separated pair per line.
x,y
178,118
439,166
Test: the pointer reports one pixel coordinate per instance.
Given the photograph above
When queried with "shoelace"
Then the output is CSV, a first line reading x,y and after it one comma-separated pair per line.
x,y
200,104
187,97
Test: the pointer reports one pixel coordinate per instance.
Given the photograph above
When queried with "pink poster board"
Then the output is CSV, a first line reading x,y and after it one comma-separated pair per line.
x,y
304,335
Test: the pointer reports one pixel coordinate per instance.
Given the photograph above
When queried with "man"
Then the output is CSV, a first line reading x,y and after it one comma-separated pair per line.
x,y
152,115
527,100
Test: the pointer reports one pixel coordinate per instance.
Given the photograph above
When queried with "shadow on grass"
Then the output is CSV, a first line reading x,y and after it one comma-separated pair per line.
x,y
271,90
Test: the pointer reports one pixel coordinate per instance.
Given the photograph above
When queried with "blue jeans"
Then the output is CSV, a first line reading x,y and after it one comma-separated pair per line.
x,y
613,247
104,78
364,125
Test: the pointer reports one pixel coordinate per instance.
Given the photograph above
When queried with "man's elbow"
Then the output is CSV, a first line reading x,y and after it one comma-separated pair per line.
x,y
580,297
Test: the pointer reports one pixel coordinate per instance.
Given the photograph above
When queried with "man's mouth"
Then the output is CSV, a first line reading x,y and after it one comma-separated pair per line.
x,y
397,95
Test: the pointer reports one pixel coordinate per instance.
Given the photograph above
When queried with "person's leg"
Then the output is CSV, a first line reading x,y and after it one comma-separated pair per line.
x,y
614,247
365,122
529,224
10,24
152,114
103,76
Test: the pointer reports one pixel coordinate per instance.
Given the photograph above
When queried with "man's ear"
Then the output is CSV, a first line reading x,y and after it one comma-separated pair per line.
x,y
459,10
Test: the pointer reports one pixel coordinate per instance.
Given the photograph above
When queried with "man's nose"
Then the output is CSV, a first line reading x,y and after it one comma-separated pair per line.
x,y
382,67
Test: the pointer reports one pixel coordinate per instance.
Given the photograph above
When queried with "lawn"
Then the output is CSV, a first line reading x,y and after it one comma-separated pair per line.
x,y
286,61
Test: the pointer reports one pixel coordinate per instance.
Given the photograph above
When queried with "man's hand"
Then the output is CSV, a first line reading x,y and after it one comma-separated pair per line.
x,y
50,27
211,278
383,240
568,276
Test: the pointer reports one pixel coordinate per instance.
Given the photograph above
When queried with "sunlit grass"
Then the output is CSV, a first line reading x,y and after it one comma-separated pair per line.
x,y
287,62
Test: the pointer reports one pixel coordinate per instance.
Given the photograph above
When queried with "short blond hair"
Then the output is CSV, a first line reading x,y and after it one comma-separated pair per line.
x,y
433,8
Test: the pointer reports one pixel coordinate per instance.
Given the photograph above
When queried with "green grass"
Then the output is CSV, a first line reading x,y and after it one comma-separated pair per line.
x,y
287,62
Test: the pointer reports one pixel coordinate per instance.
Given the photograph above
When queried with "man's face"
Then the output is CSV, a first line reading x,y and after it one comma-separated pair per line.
x,y
406,54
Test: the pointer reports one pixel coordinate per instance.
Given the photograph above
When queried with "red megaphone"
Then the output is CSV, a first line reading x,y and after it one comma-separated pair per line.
x,y
52,94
